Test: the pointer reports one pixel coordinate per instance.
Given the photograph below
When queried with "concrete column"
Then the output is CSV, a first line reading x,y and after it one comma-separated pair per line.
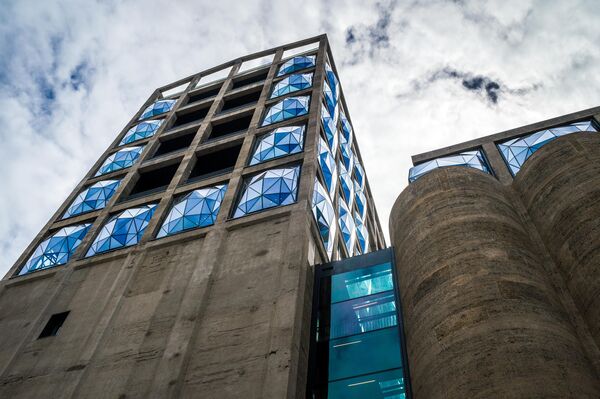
x,y
482,318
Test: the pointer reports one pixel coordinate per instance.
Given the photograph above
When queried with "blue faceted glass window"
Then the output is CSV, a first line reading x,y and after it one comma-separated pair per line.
x,y
158,108
296,64
359,175
334,84
347,156
361,200
325,216
291,84
120,160
57,249
347,132
347,185
287,108
330,99
280,142
271,188
198,208
470,159
329,127
516,151
328,167
92,198
123,229
347,227
362,234
141,131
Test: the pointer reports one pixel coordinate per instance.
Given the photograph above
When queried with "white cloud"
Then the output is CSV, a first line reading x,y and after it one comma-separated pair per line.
x,y
116,53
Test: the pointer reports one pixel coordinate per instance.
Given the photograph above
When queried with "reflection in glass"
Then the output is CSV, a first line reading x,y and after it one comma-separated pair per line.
x,y
386,385
363,314
361,282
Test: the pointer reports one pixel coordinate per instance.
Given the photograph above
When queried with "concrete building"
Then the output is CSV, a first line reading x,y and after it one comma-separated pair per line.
x,y
226,245
180,266
497,244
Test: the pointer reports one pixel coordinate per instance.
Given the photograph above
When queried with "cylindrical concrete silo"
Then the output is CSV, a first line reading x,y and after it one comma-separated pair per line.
x,y
482,319
560,187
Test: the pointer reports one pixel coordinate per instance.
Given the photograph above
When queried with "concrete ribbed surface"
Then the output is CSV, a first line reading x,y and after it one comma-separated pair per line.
x,y
482,319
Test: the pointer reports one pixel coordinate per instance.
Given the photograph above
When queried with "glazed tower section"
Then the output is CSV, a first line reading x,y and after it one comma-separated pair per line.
x,y
181,264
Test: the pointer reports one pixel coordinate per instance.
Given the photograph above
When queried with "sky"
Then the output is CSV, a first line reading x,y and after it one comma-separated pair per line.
x,y
417,76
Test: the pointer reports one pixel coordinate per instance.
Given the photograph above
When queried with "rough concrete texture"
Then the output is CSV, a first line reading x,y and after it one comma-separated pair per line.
x,y
559,187
212,317
482,316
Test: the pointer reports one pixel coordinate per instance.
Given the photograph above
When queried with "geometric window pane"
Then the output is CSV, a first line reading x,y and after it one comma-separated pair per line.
x,y
347,155
330,99
141,131
157,108
471,159
361,200
516,151
329,126
328,166
383,385
123,229
296,64
120,160
359,174
334,84
347,132
92,198
198,208
278,143
57,249
362,234
347,227
287,108
325,217
268,189
291,84
363,314
370,352
361,282
347,185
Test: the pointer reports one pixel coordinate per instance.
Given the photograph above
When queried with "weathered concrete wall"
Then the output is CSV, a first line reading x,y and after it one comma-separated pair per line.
x,y
482,317
560,188
216,315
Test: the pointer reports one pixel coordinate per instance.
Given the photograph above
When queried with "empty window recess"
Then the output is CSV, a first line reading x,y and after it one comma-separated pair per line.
x,y
153,181
53,325
175,144
240,101
235,126
248,80
190,117
215,163
204,94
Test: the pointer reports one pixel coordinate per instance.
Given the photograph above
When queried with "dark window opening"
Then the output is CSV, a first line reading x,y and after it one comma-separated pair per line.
x,y
175,144
153,181
53,325
204,94
245,81
215,163
231,127
241,101
194,116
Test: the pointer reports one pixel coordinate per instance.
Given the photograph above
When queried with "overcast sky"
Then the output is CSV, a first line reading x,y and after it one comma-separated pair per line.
x,y
417,75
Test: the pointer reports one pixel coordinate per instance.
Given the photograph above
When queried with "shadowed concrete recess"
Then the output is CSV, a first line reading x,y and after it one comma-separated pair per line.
x,y
483,318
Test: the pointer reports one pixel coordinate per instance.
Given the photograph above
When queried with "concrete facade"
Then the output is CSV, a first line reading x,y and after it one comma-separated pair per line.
x,y
498,275
216,312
